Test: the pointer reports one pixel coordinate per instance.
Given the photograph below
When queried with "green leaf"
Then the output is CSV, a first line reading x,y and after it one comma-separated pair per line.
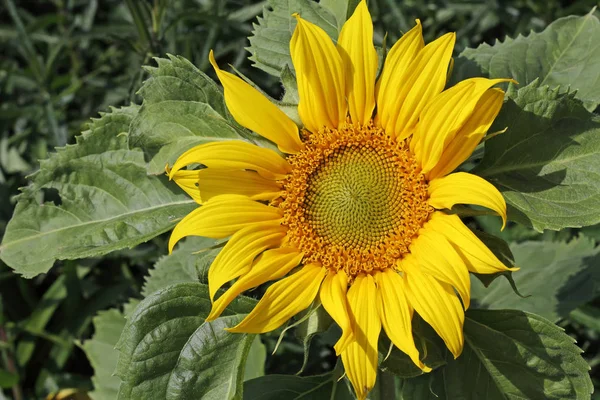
x,y
312,322
169,351
430,346
291,387
566,53
189,261
182,108
546,164
557,276
100,351
178,79
270,40
501,250
104,201
508,354
8,379
341,9
255,362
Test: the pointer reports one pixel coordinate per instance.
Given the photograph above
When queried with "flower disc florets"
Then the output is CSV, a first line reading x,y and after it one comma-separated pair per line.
x,y
354,200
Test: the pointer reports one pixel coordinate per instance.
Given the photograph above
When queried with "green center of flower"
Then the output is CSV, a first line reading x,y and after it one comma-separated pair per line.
x,y
355,198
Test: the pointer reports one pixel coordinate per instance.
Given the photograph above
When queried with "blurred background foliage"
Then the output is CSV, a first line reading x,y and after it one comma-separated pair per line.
x,y
63,61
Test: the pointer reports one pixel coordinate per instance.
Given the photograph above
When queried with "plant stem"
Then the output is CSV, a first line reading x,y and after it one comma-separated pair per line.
x,y
10,365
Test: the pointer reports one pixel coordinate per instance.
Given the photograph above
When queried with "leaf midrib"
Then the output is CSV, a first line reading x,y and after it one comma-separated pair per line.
x,y
586,19
5,246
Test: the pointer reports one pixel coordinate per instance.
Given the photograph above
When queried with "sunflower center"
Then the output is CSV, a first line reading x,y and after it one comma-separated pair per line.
x,y
354,197
354,200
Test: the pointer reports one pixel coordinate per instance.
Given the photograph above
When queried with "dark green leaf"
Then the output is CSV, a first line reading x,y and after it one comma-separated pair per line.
x,y
169,351
315,322
8,379
508,354
557,277
566,54
187,263
103,201
430,346
289,387
546,163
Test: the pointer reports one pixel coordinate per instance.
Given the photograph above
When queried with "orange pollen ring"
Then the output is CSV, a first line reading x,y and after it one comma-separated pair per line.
x,y
355,199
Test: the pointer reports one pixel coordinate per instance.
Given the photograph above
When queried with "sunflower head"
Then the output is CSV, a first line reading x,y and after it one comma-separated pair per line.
x,y
354,210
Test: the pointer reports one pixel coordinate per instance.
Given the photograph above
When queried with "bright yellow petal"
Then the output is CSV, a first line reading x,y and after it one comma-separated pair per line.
x,y
240,251
254,111
360,357
469,136
283,300
213,182
270,265
400,56
222,216
442,119
359,56
437,258
465,188
424,78
333,297
234,155
436,303
396,314
320,77
476,255
188,181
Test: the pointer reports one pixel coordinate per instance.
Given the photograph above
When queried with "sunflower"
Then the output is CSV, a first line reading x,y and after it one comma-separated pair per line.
x,y
352,212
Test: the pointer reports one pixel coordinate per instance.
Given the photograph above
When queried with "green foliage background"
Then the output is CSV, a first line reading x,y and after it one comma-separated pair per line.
x,y
63,61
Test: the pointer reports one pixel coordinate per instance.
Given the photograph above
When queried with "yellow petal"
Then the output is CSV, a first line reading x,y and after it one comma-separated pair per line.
x,y
213,182
270,265
359,57
222,216
396,314
254,111
447,113
320,77
469,136
283,300
236,257
436,303
437,258
424,78
360,357
400,56
465,188
333,297
234,155
188,181
476,255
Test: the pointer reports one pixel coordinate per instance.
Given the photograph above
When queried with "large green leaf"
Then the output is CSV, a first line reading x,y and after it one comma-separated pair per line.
x,y
189,262
508,354
169,351
566,53
546,164
558,277
103,200
182,108
290,387
270,41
